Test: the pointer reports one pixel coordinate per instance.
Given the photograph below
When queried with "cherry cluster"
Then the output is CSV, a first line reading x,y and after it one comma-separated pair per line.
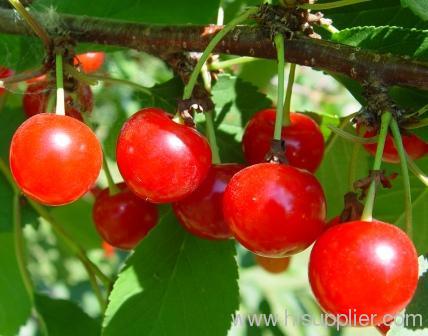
x,y
273,209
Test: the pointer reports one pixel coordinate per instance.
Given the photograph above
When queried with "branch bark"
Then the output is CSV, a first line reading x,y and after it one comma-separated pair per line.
x,y
355,63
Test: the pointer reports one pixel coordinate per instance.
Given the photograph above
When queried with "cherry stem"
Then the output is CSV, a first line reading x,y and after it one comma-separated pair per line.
x,y
351,137
60,96
188,89
73,246
288,94
417,171
279,43
333,136
34,25
21,259
113,189
331,5
353,166
230,63
96,289
368,207
398,141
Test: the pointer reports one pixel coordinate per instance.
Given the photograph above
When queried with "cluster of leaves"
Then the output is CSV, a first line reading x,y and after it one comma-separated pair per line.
x,y
175,281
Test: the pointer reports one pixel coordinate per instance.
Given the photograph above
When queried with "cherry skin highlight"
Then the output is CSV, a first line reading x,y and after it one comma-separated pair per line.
x,y
414,146
55,159
160,160
91,61
36,100
304,141
4,72
353,263
123,219
201,213
273,265
275,210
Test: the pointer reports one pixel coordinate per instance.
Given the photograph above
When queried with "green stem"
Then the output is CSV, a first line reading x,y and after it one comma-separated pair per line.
x,y
188,89
229,63
351,137
333,136
405,175
111,185
60,96
34,25
353,166
417,171
288,94
96,289
331,5
279,43
368,207
212,137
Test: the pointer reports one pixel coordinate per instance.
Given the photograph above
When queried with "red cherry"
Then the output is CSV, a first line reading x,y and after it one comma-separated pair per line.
x,y
160,160
36,100
201,212
123,219
91,61
304,141
414,146
274,210
4,72
273,265
55,159
353,263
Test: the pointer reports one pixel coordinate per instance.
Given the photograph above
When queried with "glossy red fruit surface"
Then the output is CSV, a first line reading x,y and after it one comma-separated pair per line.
x,y
91,61
414,146
274,210
55,159
160,160
304,141
123,219
273,265
36,100
351,264
201,212
4,72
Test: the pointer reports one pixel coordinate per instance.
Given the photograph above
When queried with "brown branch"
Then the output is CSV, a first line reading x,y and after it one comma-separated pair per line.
x,y
353,62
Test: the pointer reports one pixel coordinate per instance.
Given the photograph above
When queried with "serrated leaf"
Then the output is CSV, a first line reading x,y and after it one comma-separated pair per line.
x,y
65,318
419,7
174,284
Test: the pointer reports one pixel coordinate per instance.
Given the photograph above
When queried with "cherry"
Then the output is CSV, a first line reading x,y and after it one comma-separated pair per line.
x,y
36,99
91,61
304,141
383,328
123,219
55,159
4,72
353,264
274,210
414,146
160,160
273,265
201,212
109,251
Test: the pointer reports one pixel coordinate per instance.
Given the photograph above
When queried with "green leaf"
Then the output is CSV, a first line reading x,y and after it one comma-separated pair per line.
x,y
10,119
419,7
15,304
65,318
173,284
76,219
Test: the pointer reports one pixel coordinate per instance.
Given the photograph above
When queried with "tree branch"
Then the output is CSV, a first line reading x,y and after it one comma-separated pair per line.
x,y
353,62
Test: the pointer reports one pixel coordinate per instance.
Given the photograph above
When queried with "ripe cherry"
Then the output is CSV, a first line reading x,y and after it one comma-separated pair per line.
x,y
304,141
414,146
55,159
273,265
91,61
37,95
160,160
353,263
201,212
123,219
274,210
4,72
